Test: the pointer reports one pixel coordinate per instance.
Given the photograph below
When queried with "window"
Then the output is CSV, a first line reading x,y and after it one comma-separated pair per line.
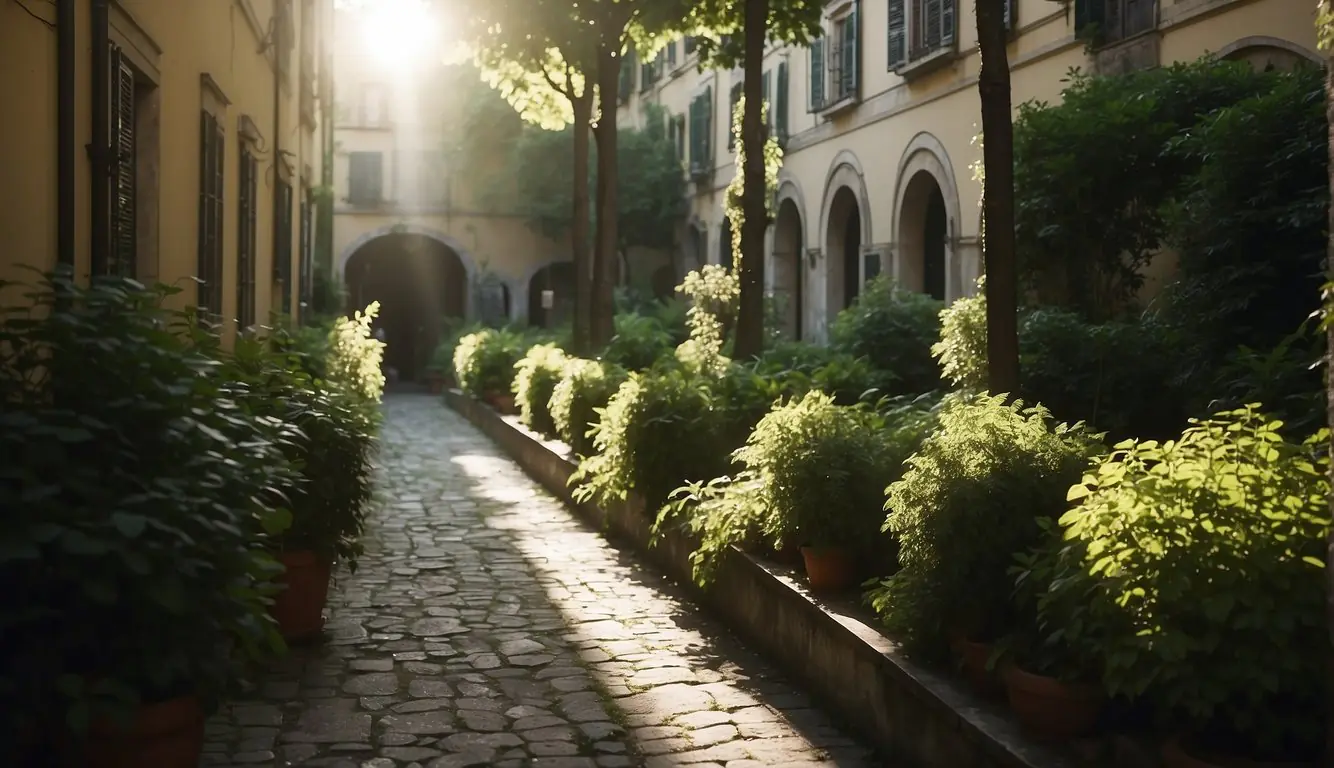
x,y
701,133
1115,19
671,54
282,241
627,83
374,105
688,45
778,111
767,89
123,166
211,143
733,99
836,62
365,184
919,28
247,208
650,71
676,132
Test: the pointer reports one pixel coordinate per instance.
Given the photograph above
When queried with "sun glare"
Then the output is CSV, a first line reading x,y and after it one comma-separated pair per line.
x,y
401,33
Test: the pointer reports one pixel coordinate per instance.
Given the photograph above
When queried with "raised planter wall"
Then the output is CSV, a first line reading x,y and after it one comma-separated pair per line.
x,y
911,714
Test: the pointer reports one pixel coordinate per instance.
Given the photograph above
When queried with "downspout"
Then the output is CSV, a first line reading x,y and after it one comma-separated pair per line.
x,y
100,149
275,43
65,133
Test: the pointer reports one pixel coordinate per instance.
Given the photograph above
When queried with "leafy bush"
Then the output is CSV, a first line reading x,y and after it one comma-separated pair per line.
x,y
140,498
846,378
640,341
1191,574
585,387
894,330
962,349
967,504
484,361
538,374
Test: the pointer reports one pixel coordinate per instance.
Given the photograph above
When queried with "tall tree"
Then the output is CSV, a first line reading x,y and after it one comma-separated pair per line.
x,y
998,255
538,54
758,22
1325,33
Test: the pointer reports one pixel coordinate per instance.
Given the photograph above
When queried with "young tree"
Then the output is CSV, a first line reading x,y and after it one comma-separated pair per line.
x,y
1325,32
998,256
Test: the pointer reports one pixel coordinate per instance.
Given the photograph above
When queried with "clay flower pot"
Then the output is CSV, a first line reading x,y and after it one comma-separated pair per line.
x,y
503,403
829,568
973,657
1176,756
436,382
169,734
299,607
1049,709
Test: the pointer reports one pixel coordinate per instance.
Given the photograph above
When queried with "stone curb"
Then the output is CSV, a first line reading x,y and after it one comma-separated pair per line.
x,y
906,711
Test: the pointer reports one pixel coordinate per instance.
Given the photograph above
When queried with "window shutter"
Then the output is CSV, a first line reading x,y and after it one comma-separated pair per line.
x,y
766,86
851,59
780,103
817,74
947,21
375,176
898,37
1088,13
694,133
671,53
707,120
122,165
1009,15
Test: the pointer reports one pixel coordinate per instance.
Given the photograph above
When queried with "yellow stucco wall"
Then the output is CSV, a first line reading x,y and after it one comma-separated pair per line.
x,y
928,123
174,45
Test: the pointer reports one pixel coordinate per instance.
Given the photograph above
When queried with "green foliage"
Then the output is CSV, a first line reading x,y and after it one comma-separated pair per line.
x,y
736,189
539,372
585,387
141,499
968,503
845,378
1191,575
651,194
895,330
1095,173
962,349
713,292
640,341
484,361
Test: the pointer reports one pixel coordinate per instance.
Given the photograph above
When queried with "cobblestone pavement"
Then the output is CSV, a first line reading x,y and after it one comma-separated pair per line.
x,y
487,626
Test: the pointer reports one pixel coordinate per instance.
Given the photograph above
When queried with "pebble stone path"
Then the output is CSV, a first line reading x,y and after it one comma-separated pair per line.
x,y
487,626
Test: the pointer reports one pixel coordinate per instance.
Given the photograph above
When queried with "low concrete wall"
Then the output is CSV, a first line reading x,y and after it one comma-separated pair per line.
x,y
911,714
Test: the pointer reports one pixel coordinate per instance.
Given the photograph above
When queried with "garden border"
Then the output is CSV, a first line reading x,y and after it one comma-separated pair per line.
x,y
906,711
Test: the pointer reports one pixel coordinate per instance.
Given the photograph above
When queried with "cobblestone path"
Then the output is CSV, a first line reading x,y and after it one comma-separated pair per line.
x,y
487,626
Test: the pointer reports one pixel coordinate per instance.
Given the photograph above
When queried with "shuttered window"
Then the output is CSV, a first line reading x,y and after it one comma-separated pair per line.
x,y
247,229
365,184
817,74
282,241
676,132
918,28
211,142
849,59
1115,19
121,255
688,45
780,107
671,54
701,132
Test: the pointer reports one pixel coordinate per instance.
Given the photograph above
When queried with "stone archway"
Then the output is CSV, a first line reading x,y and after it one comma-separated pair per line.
x,y
419,281
926,221
557,277
845,228
1264,53
789,267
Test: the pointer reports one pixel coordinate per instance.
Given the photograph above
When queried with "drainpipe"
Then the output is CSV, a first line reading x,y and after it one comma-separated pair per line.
x,y
276,44
100,149
65,133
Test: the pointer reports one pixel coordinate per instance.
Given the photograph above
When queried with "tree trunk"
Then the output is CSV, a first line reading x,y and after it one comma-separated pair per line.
x,y
604,250
579,227
1329,374
993,86
754,207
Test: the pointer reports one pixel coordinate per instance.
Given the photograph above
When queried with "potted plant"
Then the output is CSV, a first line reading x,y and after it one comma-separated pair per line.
x,y
143,588
484,363
537,375
1194,570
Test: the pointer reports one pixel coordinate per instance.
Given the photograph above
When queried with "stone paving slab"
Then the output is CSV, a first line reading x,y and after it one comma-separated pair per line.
x,y
487,626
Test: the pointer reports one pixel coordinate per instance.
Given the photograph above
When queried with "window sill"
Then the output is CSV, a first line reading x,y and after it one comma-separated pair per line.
x,y
925,65
835,108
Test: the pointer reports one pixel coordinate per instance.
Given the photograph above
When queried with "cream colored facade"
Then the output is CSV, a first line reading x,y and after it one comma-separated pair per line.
x,y
394,190
189,87
882,180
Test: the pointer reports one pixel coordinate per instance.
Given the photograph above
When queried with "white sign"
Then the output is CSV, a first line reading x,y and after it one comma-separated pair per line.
x,y
548,299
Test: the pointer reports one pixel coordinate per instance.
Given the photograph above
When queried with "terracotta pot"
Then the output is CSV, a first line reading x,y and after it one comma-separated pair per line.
x,y
1049,709
829,568
503,404
169,734
299,607
1176,756
436,383
973,657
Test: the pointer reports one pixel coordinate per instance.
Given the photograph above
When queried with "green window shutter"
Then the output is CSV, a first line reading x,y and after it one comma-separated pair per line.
x,y
851,59
671,52
696,133
817,74
947,22
1089,14
780,103
707,120
123,166
898,34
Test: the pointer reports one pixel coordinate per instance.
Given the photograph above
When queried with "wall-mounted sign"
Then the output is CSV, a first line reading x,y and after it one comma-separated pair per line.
x,y
548,299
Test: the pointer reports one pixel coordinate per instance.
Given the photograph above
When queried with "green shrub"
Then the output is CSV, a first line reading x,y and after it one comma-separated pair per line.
x,y
538,374
894,330
1191,574
585,387
846,378
968,503
141,496
962,349
484,361
640,341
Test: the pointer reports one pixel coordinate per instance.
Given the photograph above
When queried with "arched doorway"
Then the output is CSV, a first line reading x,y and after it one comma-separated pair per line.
x,y
789,267
1264,58
559,279
419,281
924,237
843,252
